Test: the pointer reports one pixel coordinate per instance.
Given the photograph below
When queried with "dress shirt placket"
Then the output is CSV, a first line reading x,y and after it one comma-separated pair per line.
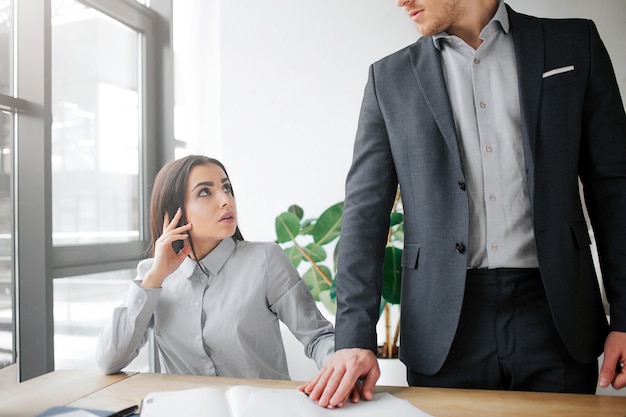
x,y
201,284
488,148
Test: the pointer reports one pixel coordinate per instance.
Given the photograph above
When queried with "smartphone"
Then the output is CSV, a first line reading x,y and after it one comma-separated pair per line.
x,y
178,245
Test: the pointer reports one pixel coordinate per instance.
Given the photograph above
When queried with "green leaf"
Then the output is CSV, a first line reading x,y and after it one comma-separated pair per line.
x,y
316,282
328,225
392,274
294,255
395,218
397,234
307,227
317,253
296,210
287,227
381,308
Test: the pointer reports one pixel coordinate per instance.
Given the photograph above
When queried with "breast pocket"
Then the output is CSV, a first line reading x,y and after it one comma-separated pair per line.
x,y
559,79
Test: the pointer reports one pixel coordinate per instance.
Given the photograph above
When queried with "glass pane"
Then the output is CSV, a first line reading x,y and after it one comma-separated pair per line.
x,y
96,127
82,306
6,42
6,241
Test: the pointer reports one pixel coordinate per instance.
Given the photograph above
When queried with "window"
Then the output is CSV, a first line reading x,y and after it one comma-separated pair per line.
x,y
96,128
82,135
6,241
82,306
8,107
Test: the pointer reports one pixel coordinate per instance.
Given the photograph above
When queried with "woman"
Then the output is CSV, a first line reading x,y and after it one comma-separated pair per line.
x,y
213,299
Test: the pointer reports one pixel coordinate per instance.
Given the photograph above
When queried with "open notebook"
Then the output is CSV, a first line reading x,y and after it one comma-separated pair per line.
x,y
248,401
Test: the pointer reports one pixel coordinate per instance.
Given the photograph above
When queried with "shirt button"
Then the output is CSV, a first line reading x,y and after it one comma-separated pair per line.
x,y
462,185
492,197
488,148
476,61
482,105
494,246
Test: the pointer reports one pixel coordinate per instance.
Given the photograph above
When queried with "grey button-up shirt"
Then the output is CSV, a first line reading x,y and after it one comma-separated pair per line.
x,y
484,95
226,323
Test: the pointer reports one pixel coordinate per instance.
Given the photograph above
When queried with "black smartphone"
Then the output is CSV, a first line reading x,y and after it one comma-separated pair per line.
x,y
178,245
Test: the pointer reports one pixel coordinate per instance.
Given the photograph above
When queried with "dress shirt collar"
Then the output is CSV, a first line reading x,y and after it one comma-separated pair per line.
x,y
501,17
215,260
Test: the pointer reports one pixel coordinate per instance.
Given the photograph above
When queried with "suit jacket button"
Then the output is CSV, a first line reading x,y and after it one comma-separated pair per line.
x,y
460,248
462,185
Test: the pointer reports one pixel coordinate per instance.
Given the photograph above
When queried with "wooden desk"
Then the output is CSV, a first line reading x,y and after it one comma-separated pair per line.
x,y
56,388
90,389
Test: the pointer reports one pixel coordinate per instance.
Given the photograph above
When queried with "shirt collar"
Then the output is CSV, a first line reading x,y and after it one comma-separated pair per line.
x,y
213,262
216,259
501,16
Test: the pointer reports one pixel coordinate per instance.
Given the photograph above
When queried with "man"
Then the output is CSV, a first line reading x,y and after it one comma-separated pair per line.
x,y
486,124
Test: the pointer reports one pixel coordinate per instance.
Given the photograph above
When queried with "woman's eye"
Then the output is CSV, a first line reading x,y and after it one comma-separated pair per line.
x,y
204,192
228,188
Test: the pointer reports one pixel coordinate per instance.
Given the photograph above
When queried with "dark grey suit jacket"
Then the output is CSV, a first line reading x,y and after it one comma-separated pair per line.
x,y
573,126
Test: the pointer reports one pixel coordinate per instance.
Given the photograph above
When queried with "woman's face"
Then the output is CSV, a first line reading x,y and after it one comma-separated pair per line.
x,y
209,207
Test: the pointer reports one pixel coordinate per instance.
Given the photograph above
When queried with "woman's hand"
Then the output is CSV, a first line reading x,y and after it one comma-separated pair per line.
x,y
166,260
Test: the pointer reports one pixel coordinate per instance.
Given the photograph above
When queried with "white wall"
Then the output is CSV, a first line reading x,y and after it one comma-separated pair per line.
x,y
289,87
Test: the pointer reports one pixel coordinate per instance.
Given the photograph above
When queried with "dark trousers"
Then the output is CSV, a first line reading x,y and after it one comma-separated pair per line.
x,y
507,340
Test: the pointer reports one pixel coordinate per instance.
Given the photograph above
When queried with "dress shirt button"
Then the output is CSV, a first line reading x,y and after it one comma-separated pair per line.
x,y
488,148
462,185
482,105
459,247
476,61
492,197
494,246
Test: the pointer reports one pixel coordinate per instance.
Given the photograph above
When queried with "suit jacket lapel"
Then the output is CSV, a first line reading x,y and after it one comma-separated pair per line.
x,y
426,63
528,39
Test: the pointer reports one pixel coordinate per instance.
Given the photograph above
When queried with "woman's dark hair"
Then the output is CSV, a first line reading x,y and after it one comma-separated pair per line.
x,y
169,190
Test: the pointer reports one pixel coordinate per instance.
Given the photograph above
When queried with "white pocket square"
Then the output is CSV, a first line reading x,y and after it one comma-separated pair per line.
x,y
557,71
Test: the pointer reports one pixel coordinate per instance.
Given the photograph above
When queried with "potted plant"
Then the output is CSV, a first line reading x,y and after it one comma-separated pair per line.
x,y
308,241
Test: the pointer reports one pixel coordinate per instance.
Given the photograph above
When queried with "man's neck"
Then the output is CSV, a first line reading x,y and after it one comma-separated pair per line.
x,y
477,14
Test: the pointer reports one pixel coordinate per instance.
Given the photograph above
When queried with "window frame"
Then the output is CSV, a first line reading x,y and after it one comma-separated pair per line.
x,y
36,262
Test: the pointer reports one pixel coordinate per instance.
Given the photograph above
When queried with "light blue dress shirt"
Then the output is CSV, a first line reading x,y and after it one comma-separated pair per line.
x,y
226,323
484,95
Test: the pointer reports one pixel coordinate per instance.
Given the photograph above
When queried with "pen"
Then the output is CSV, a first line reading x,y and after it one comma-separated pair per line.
x,y
125,412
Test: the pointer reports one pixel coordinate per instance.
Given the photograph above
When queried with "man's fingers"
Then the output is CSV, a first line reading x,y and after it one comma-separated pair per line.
x,y
308,386
330,389
317,390
619,381
369,383
344,389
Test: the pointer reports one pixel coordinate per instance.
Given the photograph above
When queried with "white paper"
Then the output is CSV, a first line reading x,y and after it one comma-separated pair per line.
x,y
383,404
193,402
248,401
76,413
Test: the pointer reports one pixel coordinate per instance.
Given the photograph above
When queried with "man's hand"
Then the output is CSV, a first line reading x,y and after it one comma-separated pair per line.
x,y
613,371
340,378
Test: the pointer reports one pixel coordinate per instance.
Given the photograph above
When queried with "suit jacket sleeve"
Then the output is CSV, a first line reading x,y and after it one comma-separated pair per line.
x,y
603,174
370,190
